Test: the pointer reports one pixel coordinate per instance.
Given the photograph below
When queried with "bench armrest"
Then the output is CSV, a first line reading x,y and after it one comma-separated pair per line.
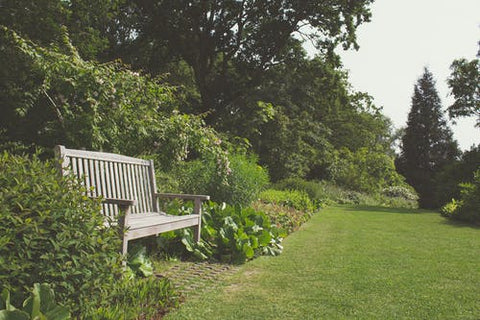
x,y
120,202
182,196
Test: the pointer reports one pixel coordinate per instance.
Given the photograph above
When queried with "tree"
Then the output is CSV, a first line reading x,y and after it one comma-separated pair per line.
x,y
230,44
427,145
43,21
464,83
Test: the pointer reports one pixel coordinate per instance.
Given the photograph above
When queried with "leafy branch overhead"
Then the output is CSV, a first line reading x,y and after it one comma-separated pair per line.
x,y
96,106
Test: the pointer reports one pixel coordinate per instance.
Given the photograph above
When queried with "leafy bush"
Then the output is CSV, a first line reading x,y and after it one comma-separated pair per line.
x,y
242,185
407,193
50,232
314,189
229,234
291,198
468,207
39,305
364,171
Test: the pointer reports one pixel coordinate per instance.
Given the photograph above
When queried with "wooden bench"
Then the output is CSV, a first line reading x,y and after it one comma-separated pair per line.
x,y
128,188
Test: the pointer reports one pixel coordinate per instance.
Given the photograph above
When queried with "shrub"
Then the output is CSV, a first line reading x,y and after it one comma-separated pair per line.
x,y
404,192
291,198
241,187
314,189
50,232
468,207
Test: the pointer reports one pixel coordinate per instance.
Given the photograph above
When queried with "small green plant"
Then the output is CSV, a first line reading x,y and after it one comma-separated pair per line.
x,y
138,262
40,305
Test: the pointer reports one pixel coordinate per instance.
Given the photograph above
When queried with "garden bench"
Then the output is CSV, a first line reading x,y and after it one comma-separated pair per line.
x,y
128,191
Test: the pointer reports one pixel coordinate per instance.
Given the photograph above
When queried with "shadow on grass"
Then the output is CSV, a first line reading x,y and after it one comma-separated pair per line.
x,y
460,224
444,221
386,210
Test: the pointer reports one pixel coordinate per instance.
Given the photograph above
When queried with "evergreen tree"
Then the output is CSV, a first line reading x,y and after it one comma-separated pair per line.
x,y
427,145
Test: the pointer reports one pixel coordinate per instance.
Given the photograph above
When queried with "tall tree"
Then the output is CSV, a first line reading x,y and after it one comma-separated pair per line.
x,y
427,145
230,44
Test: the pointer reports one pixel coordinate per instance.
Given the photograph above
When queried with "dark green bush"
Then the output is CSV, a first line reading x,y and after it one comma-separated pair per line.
x,y
468,207
50,232
242,185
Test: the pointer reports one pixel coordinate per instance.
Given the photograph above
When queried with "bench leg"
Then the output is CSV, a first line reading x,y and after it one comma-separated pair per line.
x,y
124,252
196,232
197,209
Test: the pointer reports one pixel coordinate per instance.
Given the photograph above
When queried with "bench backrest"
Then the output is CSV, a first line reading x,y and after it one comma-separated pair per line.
x,y
112,176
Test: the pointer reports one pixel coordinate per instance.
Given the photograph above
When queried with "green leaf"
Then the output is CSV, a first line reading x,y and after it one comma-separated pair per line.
x,y
248,251
58,313
265,238
13,315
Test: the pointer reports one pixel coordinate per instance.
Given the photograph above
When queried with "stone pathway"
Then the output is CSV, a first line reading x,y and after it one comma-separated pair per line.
x,y
191,278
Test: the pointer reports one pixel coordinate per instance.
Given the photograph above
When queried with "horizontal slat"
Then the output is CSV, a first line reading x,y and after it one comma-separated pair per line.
x,y
120,202
103,156
182,196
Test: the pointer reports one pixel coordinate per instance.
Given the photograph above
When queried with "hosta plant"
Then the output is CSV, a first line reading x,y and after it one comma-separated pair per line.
x,y
40,305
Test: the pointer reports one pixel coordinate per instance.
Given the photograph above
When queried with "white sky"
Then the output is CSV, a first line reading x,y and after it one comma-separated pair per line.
x,y
402,38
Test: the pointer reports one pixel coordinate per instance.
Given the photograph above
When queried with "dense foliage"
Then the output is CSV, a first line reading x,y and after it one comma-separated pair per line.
x,y
242,185
464,83
50,232
230,234
427,146
467,207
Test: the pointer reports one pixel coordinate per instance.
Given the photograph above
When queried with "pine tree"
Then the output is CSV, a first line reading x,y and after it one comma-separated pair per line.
x,y
427,145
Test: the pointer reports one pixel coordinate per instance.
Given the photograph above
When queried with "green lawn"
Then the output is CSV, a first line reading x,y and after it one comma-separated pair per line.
x,y
356,263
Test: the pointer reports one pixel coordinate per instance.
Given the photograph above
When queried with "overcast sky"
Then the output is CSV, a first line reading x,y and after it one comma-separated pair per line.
x,y
405,36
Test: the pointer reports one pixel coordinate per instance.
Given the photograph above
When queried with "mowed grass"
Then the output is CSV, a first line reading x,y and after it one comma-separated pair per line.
x,y
356,263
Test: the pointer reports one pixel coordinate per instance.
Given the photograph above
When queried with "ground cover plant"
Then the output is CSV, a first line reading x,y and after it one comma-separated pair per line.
x,y
356,263
230,234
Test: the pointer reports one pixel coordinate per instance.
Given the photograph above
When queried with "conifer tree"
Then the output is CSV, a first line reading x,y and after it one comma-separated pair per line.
x,y
427,145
